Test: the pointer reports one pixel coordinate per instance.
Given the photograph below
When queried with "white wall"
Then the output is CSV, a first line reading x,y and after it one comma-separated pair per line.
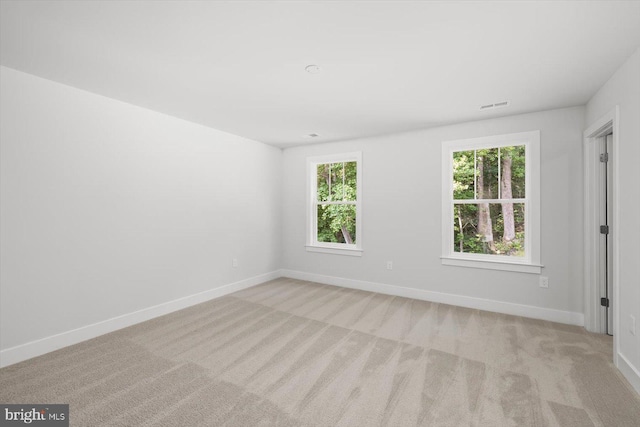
x,y
623,89
108,208
402,214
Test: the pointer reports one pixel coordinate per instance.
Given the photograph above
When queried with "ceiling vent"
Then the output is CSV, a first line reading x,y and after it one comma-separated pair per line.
x,y
494,105
312,69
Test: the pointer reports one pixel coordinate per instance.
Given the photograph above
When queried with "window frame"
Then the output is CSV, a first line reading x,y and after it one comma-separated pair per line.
x,y
313,245
530,263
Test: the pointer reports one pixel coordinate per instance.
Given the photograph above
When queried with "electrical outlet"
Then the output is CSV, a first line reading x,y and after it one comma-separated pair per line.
x,y
234,263
632,324
544,282
389,265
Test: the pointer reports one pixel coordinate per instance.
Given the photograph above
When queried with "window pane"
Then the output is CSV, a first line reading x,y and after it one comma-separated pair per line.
x,y
512,164
487,173
323,181
489,228
337,224
343,181
463,175
350,181
337,181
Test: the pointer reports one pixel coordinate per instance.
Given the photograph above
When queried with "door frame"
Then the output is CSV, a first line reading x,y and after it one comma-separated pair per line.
x,y
593,317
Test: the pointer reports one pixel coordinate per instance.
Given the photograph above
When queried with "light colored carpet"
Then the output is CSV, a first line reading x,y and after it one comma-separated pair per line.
x,y
296,353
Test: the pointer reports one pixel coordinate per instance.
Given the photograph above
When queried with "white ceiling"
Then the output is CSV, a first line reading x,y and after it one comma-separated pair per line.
x,y
386,66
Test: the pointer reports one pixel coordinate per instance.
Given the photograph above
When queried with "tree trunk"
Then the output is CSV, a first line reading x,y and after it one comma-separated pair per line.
x,y
461,234
507,208
327,177
346,235
485,227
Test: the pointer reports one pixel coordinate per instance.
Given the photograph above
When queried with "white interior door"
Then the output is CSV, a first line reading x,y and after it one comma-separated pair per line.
x,y
606,253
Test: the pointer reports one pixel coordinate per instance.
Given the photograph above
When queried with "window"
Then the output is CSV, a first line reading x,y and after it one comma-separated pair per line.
x,y
334,213
491,202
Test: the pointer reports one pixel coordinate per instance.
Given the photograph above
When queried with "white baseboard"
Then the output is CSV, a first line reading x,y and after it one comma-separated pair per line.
x,y
629,372
567,317
45,345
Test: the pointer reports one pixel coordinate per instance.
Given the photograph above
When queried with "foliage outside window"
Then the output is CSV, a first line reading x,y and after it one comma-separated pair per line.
x,y
488,201
335,202
491,199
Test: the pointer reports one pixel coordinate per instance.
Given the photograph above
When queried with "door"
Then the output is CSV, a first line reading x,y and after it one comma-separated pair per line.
x,y
606,253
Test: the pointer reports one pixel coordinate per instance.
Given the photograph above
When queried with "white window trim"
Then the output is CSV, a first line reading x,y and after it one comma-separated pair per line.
x,y
312,233
531,262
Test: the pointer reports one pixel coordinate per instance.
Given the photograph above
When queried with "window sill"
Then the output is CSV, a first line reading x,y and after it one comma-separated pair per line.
x,y
493,265
334,251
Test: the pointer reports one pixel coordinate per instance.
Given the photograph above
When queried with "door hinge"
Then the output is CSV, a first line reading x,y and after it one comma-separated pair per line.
x,y
604,229
604,302
604,157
